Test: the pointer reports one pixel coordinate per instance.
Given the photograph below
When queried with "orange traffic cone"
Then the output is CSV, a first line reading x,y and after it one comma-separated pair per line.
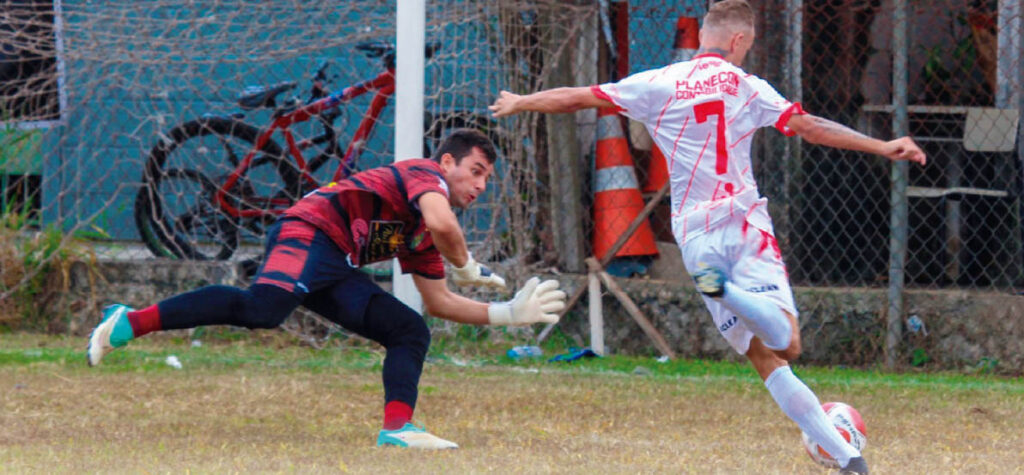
x,y
617,199
686,44
687,39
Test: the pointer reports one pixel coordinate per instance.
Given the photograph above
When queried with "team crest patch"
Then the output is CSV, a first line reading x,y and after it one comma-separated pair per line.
x,y
360,230
383,241
417,239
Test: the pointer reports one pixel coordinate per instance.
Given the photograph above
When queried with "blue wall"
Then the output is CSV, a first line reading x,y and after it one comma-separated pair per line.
x,y
143,69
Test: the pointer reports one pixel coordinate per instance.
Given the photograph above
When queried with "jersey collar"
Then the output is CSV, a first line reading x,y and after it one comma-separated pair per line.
x,y
708,55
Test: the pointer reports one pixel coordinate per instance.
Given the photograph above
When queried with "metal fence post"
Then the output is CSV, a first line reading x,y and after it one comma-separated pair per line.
x,y
794,83
898,195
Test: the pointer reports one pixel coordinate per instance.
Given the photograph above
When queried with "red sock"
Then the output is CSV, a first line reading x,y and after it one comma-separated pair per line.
x,y
144,321
396,414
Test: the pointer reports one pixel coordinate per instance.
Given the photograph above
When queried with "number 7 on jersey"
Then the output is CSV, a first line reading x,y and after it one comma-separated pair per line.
x,y
701,113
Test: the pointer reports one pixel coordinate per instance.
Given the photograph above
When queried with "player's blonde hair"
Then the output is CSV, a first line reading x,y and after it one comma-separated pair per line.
x,y
730,16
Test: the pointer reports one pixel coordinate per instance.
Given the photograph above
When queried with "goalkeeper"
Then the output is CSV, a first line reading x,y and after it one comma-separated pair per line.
x,y
313,253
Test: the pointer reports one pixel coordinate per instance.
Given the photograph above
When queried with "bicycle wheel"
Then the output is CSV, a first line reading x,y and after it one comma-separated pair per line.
x,y
192,226
174,209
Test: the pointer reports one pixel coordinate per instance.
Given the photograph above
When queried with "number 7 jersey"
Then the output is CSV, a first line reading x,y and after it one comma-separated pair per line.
x,y
702,114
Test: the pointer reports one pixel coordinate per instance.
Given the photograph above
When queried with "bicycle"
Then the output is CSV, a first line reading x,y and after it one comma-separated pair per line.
x,y
183,212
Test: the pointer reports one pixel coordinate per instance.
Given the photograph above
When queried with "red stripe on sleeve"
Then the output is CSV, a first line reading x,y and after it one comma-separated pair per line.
x,y
795,108
657,124
598,93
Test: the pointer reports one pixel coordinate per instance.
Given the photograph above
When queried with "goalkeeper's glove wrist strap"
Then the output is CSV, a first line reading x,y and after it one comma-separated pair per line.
x,y
465,267
499,313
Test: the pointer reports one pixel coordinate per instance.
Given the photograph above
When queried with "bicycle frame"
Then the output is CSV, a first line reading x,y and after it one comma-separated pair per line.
x,y
383,84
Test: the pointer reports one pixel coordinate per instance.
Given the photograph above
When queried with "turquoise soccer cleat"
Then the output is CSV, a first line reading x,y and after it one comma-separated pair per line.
x,y
709,280
114,331
413,437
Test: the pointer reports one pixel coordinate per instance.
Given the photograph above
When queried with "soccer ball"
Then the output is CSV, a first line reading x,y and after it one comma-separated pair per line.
x,y
849,424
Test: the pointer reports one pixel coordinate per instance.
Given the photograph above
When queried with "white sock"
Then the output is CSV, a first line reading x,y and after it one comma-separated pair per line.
x,y
761,315
801,405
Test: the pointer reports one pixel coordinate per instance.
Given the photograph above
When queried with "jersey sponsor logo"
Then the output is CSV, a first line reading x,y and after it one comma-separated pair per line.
x,y
728,324
383,241
763,288
708,64
725,82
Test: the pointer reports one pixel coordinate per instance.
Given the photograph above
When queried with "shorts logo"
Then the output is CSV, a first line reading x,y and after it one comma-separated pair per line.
x,y
728,324
763,288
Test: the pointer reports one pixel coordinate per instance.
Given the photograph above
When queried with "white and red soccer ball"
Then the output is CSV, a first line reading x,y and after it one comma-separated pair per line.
x,y
850,426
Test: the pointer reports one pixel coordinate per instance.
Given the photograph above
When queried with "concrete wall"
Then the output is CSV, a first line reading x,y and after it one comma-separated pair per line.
x,y
966,331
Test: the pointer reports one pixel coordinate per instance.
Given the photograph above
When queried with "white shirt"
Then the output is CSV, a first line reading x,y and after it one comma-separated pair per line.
x,y
702,114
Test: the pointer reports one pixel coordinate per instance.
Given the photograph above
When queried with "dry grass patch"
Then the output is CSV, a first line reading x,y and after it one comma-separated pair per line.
x,y
240,408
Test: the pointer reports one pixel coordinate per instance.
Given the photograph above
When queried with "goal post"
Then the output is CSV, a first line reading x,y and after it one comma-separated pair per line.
x,y
409,62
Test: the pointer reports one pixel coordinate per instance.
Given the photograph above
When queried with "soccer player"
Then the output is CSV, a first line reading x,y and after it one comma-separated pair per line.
x,y
702,113
313,253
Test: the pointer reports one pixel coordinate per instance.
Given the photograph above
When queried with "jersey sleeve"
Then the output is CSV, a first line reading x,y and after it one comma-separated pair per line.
x,y
427,263
769,108
632,95
422,179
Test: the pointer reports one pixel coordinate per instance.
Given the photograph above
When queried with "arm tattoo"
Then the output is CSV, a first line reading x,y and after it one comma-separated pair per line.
x,y
837,129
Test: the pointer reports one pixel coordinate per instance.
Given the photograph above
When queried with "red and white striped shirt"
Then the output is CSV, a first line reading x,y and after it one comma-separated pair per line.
x,y
703,114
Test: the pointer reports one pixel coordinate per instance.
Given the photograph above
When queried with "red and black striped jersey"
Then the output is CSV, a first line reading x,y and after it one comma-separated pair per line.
x,y
374,215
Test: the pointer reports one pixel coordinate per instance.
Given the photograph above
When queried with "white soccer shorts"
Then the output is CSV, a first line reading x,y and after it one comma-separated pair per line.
x,y
751,259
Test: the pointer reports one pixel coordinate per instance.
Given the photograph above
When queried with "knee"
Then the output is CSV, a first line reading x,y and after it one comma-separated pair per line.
x,y
265,306
766,360
793,351
408,329
414,332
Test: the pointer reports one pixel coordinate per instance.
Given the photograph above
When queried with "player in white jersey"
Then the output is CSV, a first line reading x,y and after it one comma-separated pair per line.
x,y
702,114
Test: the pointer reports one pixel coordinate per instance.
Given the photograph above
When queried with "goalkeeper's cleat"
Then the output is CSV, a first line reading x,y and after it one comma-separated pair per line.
x,y
114,331
413,437
709,280
856,466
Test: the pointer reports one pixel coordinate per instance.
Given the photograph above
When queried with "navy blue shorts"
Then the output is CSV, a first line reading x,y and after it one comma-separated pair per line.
x,y
303,260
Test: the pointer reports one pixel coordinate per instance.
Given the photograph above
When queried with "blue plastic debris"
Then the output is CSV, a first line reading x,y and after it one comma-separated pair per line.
x,y
574,354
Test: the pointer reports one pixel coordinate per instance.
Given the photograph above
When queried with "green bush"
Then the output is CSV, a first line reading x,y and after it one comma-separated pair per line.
x,y
35,271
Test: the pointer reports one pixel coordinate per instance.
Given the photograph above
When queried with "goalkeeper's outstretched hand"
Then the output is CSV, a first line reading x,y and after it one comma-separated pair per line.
x,y
536,302
475,274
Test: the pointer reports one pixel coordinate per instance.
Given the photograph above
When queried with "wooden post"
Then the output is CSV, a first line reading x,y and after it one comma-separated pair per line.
x,y
631,308
644,213
565,180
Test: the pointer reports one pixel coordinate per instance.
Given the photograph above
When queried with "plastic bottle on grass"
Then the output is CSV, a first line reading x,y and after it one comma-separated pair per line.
x,y
524,352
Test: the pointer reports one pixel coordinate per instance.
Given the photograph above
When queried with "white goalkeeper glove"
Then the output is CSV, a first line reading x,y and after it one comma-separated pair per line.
x,y
536,302
475,274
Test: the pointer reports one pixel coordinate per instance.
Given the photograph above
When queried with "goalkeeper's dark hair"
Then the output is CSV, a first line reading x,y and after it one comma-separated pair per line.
x,y
460,143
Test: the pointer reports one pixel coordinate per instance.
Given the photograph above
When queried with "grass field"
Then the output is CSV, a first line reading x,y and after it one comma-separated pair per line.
x,y
265,405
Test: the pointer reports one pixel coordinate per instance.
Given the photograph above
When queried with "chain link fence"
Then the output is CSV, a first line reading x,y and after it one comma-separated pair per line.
x,y
132,122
